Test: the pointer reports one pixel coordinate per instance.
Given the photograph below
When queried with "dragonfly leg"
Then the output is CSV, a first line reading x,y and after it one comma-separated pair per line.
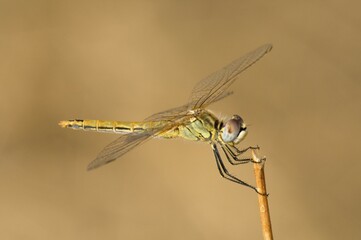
x,y
238,152
227,149
224,172
234,160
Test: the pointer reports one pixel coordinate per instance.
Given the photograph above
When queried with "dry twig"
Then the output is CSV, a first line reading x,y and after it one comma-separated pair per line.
x,y
262,198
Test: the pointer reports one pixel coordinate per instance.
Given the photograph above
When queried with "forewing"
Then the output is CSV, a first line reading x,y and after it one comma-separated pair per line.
x,y
120,146
170,114
213,87
174,114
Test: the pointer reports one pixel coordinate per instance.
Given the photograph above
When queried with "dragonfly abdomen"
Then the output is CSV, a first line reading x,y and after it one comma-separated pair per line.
x,y
107,126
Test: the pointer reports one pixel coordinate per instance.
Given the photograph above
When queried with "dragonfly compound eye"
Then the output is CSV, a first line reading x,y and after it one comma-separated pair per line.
x,y
234,130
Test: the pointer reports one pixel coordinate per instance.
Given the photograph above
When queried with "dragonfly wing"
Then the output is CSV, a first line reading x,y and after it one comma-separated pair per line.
x,y
212,88
120,146
177,113
170,115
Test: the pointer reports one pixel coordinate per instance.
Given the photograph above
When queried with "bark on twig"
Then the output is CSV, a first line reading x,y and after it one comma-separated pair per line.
x,y
262,199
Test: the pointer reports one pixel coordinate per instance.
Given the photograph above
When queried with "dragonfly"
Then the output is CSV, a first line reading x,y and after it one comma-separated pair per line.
x,y
190,121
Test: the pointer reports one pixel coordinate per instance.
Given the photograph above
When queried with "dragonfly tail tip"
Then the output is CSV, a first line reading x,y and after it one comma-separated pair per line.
x,y
63,124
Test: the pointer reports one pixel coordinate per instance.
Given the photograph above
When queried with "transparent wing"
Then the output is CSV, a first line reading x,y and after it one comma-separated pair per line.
x,y
212,87
119,147
174,114
169,115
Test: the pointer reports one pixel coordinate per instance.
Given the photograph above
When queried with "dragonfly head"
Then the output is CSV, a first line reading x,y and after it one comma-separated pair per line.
x,y
234,130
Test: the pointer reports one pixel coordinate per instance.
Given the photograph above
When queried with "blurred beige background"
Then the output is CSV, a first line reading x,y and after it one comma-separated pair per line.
x,y
125,60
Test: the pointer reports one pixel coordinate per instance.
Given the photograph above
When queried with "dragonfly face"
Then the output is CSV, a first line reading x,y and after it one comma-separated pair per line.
x,y
190,121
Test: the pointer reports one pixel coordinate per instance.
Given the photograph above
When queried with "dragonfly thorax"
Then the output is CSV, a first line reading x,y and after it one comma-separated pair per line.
x,y
234,130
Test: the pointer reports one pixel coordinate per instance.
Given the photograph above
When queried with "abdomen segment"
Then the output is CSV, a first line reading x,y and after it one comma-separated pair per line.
x,y
109,126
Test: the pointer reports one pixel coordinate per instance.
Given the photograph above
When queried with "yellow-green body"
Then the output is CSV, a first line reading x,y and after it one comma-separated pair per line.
x,y
198,127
